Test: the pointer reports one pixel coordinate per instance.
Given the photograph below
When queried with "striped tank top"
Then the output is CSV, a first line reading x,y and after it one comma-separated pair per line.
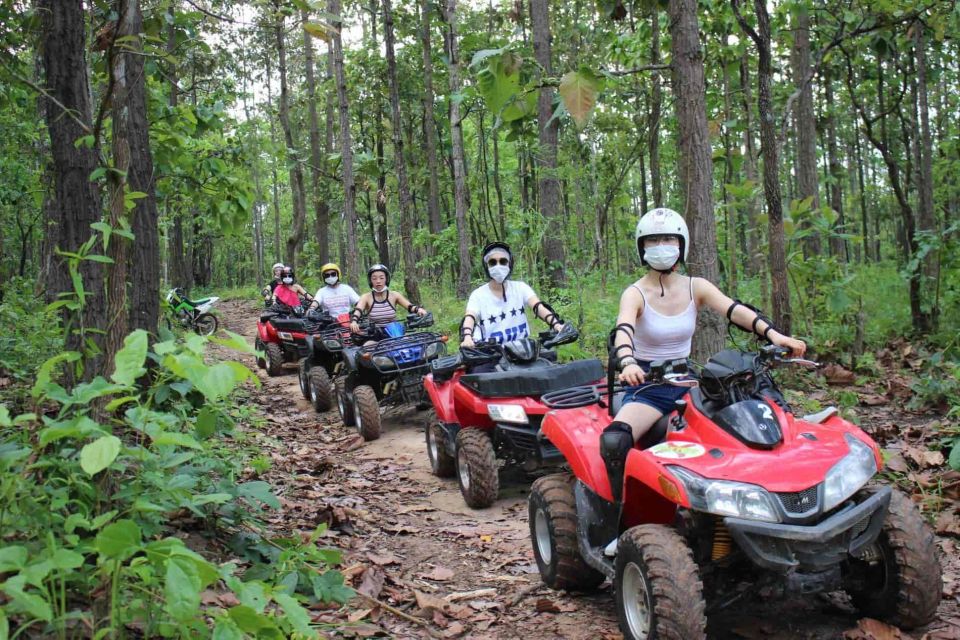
x,y
382,312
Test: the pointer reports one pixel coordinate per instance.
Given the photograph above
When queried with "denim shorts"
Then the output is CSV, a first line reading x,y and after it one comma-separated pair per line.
x,y
658,395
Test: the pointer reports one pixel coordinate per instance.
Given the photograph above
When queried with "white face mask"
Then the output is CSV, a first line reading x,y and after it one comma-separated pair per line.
x,y
499,273
288,281
380,289
662,257
332,280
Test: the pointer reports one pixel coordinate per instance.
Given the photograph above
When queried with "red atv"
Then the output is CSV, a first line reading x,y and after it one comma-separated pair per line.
x,y
737,490
282,336
483,416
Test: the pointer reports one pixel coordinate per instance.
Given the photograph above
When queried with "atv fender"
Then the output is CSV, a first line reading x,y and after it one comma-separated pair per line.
x,y
580,446
441,396
350,357
310,348
267,333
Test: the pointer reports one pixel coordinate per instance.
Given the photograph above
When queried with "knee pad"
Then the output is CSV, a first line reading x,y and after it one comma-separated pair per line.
x,y
615,443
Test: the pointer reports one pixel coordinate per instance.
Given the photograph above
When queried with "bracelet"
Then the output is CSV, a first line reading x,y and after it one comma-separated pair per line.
x,y
626,361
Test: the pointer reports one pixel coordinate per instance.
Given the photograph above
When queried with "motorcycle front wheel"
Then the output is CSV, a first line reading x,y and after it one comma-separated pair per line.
x,y
206,324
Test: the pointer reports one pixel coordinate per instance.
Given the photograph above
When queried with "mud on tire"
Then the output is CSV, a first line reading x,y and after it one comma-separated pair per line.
x,y
659,595
321,390
303,375
274,359
904,587
553,531
366,412
476,468
344,404
442,464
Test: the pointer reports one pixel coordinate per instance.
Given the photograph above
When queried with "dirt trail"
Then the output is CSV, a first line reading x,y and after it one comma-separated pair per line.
x,y
409,539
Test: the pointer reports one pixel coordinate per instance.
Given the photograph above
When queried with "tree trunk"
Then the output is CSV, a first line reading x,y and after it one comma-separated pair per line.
x,y
400,165
656,101
549,127
295,239
862,196
696,166
780,296
460,193
317,162
75,203
259,204
346,152
277,255
753,237
926,217
728,179
429,128
806,126
838,246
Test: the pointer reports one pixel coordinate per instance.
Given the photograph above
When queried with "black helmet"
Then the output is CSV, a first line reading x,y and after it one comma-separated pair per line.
x,y
502,246
373,269
288,273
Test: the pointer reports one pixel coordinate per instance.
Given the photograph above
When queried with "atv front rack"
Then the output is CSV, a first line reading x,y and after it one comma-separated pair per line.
x,y
582,396
392,349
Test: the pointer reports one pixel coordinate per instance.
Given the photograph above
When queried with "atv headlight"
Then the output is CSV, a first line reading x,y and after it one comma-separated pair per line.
x,y
513,413
725,498
331,344
847,476
434,349
383,362
284,335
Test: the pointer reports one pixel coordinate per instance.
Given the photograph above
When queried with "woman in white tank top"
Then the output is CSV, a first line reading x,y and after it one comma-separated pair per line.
x,y
657,318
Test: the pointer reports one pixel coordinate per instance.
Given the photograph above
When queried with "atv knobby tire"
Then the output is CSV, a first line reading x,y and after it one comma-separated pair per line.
x,y
303,375
477,468
659,595
366,411
321,390
905,585
553,531
442,464
274,359
344,404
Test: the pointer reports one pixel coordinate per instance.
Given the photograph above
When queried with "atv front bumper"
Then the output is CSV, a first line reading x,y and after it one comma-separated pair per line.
x,y
784,547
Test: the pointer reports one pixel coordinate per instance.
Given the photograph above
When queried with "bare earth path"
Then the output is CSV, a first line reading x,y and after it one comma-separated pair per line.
x,y
411,542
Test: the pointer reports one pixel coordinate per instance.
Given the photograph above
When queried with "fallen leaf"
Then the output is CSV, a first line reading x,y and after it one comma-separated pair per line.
x,y
948,524
439,574
467,595
872,400
870,629
924,458
454,630
544,605
359,615
372,582
895,462
837,375
383,559
428,603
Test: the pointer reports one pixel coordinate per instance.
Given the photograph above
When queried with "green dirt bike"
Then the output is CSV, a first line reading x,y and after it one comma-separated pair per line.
x,y
191,314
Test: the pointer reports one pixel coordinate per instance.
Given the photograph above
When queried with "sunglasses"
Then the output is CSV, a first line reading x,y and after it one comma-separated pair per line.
x,y
492,262
330,274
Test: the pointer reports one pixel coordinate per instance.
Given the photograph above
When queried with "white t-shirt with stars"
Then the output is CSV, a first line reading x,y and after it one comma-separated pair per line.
x,y
498,319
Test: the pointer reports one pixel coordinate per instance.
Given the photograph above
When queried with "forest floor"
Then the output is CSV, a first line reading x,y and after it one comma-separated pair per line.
x,y
431,567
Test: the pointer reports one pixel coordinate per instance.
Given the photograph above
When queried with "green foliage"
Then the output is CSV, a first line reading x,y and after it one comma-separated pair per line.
x,y
31,333
90,489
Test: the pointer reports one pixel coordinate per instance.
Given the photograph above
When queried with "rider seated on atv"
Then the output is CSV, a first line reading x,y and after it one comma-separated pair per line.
x,y
289,292
497,310
657,318
334,297
268,290
380,304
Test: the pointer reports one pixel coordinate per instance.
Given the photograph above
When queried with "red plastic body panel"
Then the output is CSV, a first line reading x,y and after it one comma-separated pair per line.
x,y
796,464
267,333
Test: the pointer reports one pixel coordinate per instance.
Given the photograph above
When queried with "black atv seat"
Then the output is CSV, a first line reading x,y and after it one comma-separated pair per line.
x,y
266,316
535,381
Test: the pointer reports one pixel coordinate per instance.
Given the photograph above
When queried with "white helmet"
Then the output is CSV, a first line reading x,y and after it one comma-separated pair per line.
x,y
662,222
278,265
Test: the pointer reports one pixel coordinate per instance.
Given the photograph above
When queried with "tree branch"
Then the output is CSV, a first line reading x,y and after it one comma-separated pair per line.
x,y
209,13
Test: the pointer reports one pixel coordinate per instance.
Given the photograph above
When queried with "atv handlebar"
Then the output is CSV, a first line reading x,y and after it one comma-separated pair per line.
x,y
419,322
566,335
775,354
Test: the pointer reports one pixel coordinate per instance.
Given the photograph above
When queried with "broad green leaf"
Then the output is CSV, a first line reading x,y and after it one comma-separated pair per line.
x,y
102,519
220,380
89,391
260,491
330,588
206,423
234,341
12,558
296,615
32,604
483,54
5,420
45,371
129,360
212,498
79,427
75,520
177,439
4,626
319,30
578,89
99,454
118,540
248,620
954,460
227,629
182,588
66,559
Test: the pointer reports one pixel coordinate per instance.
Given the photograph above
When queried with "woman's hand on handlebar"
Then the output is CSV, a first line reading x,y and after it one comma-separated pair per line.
x,y
467,342
632,375
421,311
354,327
797,347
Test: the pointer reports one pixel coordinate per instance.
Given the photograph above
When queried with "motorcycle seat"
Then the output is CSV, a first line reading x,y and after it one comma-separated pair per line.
x,y
534,381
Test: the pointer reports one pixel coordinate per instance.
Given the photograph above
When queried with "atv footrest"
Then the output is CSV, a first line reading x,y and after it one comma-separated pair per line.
x,y
526,439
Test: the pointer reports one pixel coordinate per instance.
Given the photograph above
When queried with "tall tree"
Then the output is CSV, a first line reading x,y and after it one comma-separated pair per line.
x,y
926,216
550,196
429,126
780,294
399,162
806,124
696,165
295,239
656,100
460,193
346,151
321,208
75,201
